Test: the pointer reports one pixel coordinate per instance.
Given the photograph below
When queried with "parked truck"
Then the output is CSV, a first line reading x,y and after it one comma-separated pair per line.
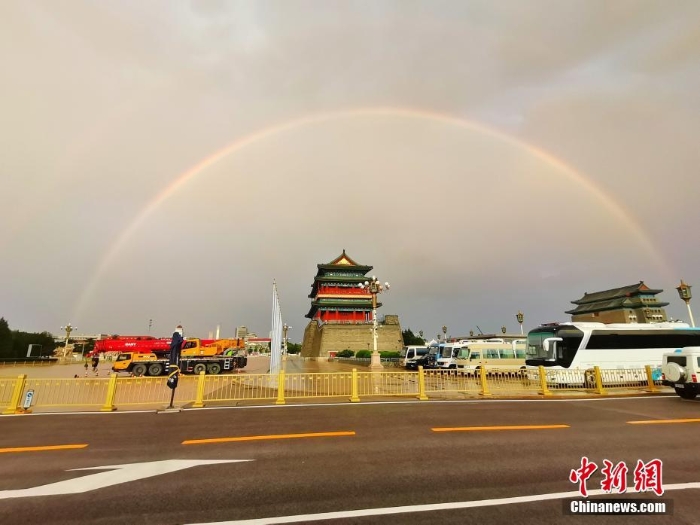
x,y
222,355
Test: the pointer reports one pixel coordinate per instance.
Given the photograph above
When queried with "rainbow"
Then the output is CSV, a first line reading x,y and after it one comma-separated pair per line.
x,y
613,206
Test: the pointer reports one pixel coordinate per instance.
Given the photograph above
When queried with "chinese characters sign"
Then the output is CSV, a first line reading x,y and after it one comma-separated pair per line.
x,y
647,476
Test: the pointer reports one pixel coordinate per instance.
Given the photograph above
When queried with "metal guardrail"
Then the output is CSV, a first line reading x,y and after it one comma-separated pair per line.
x,y
387,362
7,385
198,391
10,363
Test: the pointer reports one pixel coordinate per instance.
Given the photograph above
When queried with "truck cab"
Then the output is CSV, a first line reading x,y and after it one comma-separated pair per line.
x,y
681,370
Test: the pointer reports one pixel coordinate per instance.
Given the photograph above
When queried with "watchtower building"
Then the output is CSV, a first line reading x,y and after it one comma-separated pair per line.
x,y
636,303
341,312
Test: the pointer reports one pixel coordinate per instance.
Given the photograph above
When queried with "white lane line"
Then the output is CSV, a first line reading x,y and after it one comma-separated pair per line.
x,y
301,518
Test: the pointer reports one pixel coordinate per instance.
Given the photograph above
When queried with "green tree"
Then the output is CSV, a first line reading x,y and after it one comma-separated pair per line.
x,y
293,348
409,338
5,339
22,340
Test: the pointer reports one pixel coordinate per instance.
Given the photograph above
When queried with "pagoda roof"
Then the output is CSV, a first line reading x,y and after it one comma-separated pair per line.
x,y
335,301
347,278
616,293
332,303
614,304
343,260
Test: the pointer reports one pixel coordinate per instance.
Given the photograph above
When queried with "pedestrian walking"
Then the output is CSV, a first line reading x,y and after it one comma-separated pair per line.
x,y
95,365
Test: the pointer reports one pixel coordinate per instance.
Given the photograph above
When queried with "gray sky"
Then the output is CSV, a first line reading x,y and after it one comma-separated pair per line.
x,y
485,157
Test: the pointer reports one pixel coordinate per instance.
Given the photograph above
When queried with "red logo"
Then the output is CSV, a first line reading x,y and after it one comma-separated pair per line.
x,y
647,476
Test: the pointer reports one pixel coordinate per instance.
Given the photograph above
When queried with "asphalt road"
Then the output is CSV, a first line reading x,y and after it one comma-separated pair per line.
x,y
371,459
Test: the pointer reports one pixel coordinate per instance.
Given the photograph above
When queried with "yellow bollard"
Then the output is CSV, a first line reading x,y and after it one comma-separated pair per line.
x,y
280,389
599,382
16,399
421,385
354,398
543,382
484,382
199,402
650,380
111,393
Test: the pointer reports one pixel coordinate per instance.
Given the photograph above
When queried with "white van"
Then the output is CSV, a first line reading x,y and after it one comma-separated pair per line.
x,y
447,353
410,353
681,370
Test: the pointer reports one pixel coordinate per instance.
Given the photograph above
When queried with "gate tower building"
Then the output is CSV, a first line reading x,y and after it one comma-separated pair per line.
x,y
341,312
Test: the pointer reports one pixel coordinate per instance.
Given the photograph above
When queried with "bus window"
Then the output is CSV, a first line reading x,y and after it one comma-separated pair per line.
x,y
507,354
520,354
463,353
475,356
491,354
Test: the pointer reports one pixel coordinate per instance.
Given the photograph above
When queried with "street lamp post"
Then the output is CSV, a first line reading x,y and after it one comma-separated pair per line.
x,y
444,333
68,329
374,287
285,327
519,316
685,295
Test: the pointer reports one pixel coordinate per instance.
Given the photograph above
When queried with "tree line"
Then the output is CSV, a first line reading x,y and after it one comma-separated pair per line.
x,y
14,343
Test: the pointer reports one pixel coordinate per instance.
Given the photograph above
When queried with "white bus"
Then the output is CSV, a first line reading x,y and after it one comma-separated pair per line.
x,y
490,354
584,345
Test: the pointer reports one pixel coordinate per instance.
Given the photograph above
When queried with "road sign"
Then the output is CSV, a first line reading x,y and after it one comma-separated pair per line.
x,y
28,398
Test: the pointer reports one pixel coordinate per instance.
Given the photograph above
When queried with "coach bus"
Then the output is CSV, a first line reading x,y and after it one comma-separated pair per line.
x,y
584,345
491,354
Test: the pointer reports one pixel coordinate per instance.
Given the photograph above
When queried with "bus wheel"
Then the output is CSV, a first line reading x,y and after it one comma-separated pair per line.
x,y
213,368
199,368
155,369
139,370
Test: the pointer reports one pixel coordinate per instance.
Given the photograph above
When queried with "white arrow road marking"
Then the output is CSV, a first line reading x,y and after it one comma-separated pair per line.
x,y
344,514
116,475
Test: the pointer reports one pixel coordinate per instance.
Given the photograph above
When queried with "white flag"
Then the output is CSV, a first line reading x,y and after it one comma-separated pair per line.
x,y
275,333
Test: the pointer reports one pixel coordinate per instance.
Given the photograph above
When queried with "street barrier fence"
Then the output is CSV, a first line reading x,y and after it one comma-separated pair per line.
x,y
107,394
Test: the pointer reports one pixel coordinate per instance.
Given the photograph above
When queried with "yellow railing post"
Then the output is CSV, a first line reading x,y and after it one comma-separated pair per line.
x,y
650,379
280,389
484,382
354,398
599,381
111,392
421,385
543,382
16,399
199,402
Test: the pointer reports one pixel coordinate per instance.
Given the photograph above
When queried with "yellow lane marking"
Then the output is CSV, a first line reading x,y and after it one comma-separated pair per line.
x,y
509,427
260,438
662,421
39,449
